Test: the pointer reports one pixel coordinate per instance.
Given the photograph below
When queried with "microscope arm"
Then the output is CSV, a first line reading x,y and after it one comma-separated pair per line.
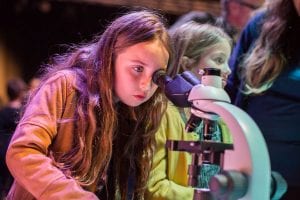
x,y
250,154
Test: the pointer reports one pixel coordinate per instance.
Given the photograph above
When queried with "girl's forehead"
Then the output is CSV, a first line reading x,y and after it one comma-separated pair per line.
x,y
150,53
215,46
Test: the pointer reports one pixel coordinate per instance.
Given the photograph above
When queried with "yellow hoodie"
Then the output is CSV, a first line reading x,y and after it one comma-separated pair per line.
x,y
168,177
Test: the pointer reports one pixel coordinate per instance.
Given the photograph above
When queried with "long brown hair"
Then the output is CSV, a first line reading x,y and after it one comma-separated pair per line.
x,y
274,47
113,129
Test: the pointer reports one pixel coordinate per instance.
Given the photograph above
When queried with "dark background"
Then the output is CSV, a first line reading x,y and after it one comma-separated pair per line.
x,y
34,30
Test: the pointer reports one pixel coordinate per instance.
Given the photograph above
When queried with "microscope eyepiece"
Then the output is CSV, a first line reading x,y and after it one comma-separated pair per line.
x,y
211,72
160,78
211,77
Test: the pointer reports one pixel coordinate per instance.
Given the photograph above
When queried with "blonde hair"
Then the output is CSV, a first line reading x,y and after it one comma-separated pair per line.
x,y
190,41
273,47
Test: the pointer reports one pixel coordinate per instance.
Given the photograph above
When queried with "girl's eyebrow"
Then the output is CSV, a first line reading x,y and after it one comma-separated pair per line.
x,y
138,61
144,64
220,53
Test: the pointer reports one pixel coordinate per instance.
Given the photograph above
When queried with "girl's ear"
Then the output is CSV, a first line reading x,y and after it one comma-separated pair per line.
x,y
186,63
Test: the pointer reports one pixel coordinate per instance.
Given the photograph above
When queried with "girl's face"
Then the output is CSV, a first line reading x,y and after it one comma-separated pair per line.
x,y
134,67
216,56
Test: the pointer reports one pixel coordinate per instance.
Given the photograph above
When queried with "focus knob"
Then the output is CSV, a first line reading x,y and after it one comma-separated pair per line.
x,y
228,185
278,186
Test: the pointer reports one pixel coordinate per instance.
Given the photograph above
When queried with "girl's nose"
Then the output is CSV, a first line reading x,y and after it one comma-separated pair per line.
x,y
146,83
226,70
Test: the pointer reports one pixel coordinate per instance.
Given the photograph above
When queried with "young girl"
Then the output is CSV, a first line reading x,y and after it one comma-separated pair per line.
x,y
90,125
196,47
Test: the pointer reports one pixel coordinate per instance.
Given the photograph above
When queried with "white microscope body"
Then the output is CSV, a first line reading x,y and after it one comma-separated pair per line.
x,y
250,155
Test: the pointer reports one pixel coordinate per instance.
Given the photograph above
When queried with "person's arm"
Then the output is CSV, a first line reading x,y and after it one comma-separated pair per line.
x,y
168,177
28,153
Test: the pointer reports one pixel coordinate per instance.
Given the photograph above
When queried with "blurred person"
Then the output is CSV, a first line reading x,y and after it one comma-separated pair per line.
x,y
238,12
9,117
34,83
265,83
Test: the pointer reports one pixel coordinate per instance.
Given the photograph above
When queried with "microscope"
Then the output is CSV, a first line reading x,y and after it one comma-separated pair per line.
x,y
245,171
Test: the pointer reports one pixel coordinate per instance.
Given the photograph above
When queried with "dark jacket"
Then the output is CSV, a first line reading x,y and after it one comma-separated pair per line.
x,y
277,110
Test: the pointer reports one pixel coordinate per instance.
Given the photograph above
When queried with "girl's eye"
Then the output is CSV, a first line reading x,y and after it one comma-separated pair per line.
x,y
138,68
219,60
